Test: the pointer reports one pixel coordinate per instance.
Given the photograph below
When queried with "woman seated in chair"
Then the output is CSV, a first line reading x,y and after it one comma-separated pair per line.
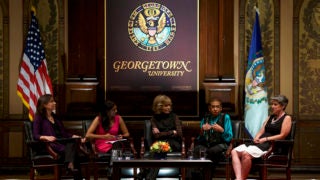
x,y
107,126
47,127
166,126
215,132
276,127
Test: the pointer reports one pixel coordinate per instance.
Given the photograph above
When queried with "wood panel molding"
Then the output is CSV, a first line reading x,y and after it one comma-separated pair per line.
x,y
81,99
226,92
216,37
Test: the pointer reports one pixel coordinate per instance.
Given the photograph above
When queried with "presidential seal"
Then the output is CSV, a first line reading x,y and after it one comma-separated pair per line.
x,y
151,27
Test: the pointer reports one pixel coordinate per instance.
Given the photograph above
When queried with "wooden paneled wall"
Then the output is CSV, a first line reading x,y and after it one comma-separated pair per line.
x,y
216,66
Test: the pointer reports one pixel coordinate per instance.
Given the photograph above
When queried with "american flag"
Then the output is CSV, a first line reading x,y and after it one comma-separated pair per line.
x,y
34,79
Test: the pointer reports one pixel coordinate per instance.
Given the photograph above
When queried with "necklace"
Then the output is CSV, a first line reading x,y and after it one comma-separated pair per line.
x,y
275,120
50,118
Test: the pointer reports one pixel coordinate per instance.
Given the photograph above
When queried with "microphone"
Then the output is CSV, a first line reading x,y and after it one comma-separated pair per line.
x,y
207,117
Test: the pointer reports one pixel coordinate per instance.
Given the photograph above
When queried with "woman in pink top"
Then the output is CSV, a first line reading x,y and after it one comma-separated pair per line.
x,y
107,126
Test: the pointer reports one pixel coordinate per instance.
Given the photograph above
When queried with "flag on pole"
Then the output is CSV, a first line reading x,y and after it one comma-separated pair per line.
x,y
34,79
256,99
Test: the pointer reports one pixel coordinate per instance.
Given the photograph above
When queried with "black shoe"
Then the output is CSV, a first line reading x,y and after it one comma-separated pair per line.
x,y
76,174
153,173
142,174
139,177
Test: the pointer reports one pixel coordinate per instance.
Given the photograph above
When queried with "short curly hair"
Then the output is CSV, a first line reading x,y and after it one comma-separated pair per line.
x,y
158,103
281,99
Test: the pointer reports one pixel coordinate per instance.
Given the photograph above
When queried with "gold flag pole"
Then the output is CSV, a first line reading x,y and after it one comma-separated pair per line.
x,y
33,9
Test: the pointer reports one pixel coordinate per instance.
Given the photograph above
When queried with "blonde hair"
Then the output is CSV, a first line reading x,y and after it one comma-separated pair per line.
x,y
158,103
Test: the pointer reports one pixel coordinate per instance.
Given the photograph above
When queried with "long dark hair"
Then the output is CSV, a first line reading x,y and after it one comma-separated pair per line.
x,y
43,100
105,109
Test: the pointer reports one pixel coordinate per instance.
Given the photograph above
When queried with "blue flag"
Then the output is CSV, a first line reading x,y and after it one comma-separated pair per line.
x,y
256,99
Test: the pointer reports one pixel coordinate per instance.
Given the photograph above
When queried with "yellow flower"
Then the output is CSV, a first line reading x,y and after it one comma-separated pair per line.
x,y
160,146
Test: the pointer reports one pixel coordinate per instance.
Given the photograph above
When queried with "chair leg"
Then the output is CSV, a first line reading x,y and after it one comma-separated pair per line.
x,y
31,174
288,173
227,171
135,172
56,172
183,173
263,173
95,176
87,171
96,172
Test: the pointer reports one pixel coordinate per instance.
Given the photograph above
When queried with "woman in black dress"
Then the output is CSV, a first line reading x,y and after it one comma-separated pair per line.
x,y
276,127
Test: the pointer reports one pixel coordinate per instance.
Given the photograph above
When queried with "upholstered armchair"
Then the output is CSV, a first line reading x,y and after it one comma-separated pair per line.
x,y
146,142
43,156
102,161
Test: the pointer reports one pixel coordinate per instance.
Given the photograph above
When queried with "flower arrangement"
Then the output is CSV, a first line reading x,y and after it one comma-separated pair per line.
x,y
160,147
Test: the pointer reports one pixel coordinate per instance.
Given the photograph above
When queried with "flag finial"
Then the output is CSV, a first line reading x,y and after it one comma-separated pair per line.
x,y
33,9
257,10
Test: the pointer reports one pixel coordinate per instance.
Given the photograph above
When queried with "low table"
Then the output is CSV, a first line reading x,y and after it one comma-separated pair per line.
x,y
149,163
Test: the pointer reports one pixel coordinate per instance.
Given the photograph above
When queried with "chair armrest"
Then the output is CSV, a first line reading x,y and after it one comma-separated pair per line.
x,y
51,152
183,148
93,148
275,144
83,148
228,151
192,143
232,145
143,149
133,150
33,143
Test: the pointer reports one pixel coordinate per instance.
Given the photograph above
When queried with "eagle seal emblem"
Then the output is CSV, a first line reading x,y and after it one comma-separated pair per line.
x,y
151,27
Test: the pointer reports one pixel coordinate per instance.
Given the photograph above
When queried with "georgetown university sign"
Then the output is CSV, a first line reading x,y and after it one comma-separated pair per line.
x,y
152,47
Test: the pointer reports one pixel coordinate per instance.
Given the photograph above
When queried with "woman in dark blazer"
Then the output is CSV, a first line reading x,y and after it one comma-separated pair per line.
x,y
47,127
